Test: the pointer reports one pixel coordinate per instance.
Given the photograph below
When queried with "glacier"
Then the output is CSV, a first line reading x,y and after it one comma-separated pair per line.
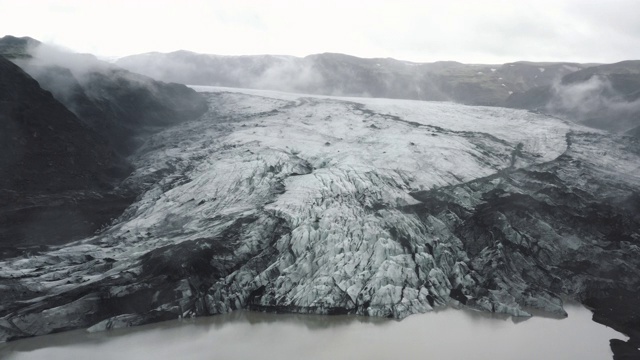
x,y
286,202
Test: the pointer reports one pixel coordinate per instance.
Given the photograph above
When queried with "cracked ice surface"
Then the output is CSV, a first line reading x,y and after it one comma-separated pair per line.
x,y
306,196
341,170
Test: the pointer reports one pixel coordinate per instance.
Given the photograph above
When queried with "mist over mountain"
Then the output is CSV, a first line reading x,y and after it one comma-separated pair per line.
x,y
127,200
65,138
290,203
51,166
601,96
605,97
44,145
118,104
344,75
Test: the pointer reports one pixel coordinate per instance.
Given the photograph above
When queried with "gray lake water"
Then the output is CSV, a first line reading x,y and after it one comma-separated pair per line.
x,y
448,334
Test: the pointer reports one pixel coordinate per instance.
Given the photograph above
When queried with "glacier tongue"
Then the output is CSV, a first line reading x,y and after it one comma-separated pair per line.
x,y
377,207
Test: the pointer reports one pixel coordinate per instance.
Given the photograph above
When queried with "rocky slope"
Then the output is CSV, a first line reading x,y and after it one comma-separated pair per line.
x,y
65,137
281,202
339,74
50,162
40,134
601,96
119,105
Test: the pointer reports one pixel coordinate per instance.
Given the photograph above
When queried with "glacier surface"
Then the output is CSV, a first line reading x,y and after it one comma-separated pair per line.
x,y
294,203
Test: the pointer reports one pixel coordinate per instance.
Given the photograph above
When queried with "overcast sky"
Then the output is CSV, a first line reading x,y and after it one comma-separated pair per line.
x,y
487,31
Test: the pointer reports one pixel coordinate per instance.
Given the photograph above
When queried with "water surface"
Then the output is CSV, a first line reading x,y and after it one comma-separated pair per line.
x,y
448,334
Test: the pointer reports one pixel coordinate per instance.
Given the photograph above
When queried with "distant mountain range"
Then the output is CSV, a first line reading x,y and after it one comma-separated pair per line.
x,y
192,204
344,75
602,96
115,107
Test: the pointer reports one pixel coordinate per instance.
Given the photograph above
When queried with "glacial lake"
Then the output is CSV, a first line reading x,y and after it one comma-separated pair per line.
x,y
445,334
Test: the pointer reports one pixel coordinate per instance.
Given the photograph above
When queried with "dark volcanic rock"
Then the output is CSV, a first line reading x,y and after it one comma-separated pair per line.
x,y
45,147
64,155
488,208
45,150
119,105
618,308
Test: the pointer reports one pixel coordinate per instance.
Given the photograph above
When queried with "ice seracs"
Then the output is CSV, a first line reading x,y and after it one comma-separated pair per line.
x,y
378,207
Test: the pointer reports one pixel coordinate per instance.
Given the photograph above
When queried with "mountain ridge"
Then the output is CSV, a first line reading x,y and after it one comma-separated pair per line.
x,y
278,201
598,95
346,75
604,96
69,122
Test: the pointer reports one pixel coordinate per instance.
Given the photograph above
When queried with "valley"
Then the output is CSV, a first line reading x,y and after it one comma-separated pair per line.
x,y
283,202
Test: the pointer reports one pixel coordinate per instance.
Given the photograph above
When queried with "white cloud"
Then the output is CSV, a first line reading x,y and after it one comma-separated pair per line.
x,y
464,30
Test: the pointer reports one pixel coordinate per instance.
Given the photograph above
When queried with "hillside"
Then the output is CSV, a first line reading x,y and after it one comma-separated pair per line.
x,y
120,105
344,75
65,137
379,207
126,200
51,165
605,97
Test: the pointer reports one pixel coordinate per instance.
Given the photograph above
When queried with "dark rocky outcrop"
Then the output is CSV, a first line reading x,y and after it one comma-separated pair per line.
x,y
64,140
559,227
53,167
45,147
119,105
618,308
